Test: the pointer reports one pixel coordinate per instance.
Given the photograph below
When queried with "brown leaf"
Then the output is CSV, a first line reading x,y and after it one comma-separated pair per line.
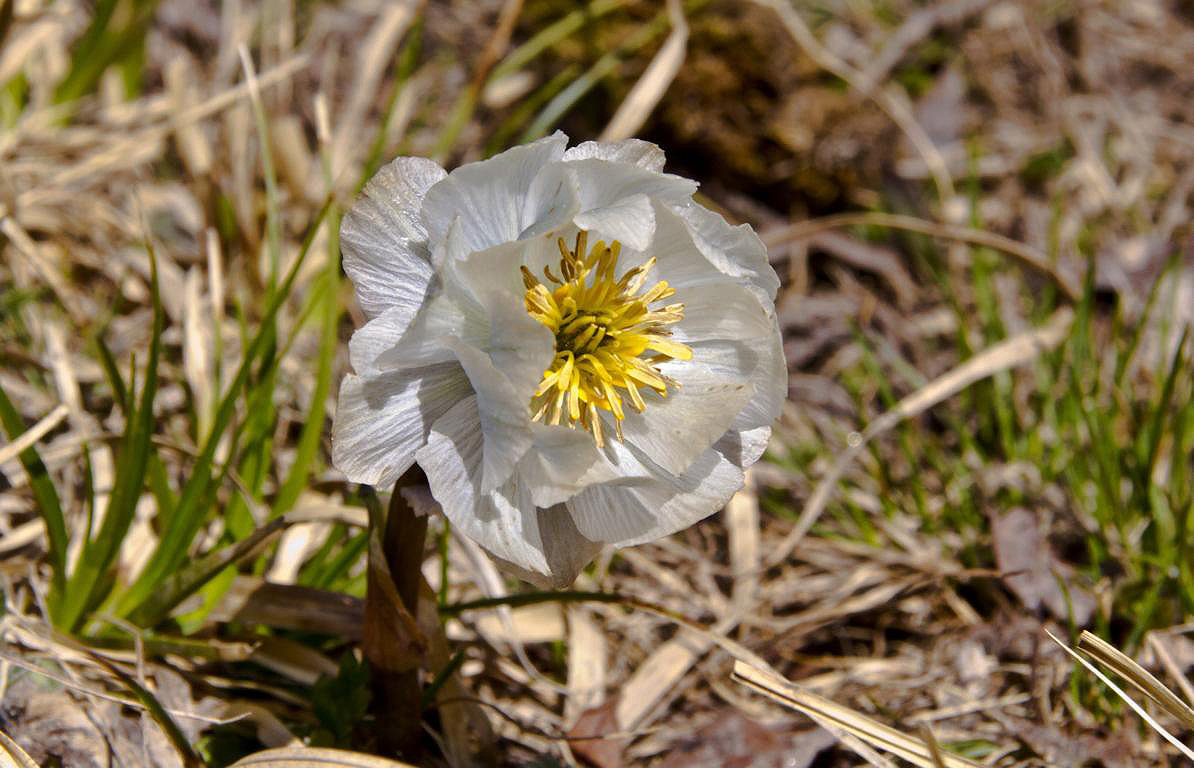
x,y
1061,748
312,757
586,740
1032,572
733,741
50,725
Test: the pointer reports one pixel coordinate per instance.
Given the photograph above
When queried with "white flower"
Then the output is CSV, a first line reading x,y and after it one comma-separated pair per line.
x,y
574,351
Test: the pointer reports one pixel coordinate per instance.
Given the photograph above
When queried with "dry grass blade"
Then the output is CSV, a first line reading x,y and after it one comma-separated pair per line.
x,y
655,80
118,152
1109,656
1171,666
742,523
35,433
935,753
658,675
1026,254
310,757
834,715
587,664
13,756
1012,353
290,606
97,693
1139,710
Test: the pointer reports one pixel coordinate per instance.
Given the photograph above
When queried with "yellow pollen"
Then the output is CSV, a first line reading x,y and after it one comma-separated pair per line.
x,y
609,340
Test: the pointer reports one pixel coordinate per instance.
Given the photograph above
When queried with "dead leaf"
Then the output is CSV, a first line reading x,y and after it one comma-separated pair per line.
x,y
1032,572
733,741
1061,748
310,757
586,737
51,726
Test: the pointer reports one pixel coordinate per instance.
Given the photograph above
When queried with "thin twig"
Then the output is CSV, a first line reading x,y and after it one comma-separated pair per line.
x,y
30,437
1026,254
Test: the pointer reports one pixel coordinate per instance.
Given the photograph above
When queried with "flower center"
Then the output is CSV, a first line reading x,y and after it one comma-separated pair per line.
x,y
609,340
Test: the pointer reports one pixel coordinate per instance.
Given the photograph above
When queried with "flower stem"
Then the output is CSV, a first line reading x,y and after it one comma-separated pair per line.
x,y
392,642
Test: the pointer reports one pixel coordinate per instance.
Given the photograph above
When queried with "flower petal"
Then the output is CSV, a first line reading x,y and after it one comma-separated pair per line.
x,y
392,341
763,361
563,462
383,239
520,347
624,515
714,311
771,384
496,199
503,413
628,189
446,312
382,420
565,549
644,154
737,251
541,544
630,221
497,270
673,431
743,447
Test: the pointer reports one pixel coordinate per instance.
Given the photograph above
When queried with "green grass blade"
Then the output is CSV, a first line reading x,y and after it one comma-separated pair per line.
x,y
189,579
1162,413
108,363
83,588
191,510
326,576
186,753
105,43
552,34
44,493
308,444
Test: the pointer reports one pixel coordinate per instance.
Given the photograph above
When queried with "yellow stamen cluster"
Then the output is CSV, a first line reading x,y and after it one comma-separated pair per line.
x,y
603,326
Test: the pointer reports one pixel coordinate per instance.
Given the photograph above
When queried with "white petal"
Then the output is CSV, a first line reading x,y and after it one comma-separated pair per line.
x,y
382,420
389,342
520,346
561,463
541,544
633,514
497,270
383,239
761,359
503,413
771,384
737,251
630,220
603,183
677,257
496,199
714,311
743,447
674,430
612,197
565,549
644,154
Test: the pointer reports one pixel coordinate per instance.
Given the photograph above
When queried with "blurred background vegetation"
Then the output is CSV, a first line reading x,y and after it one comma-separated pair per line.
x,y
980,213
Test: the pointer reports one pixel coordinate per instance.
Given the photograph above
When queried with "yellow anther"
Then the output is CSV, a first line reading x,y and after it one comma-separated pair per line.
x,y
609,340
